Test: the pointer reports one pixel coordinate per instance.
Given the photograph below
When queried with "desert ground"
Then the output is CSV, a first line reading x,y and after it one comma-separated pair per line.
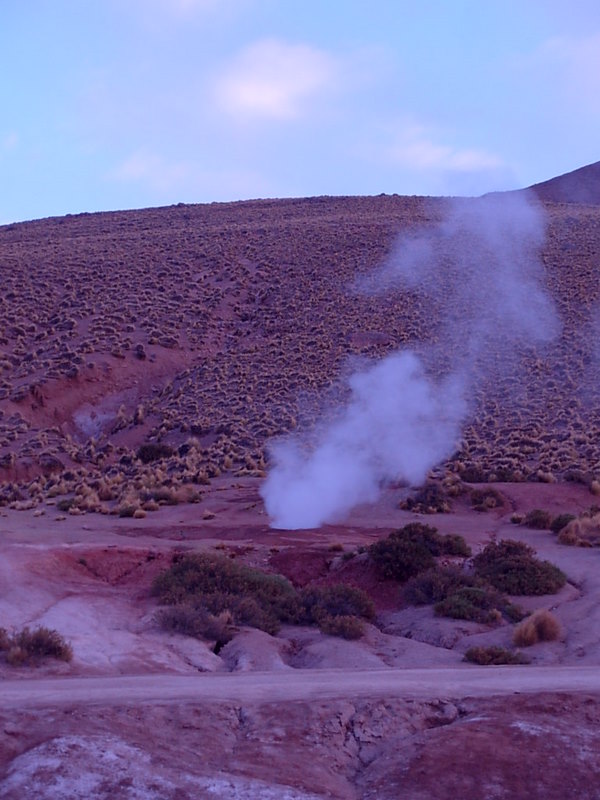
x,y
204,331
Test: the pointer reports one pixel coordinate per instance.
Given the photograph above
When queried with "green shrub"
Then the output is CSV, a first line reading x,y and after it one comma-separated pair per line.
x,y
411,550
560,522
219,584
204,587
4,640
153,451
454,545
474,603
346,626
435,584
538,519
511,567
339,600
399,559
494,655
195,622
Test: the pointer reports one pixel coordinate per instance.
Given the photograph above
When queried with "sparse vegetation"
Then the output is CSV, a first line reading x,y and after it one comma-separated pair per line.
x,y
512,567
494,656
217,415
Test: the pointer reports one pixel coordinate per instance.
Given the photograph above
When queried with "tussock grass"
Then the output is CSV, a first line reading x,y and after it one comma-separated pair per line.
x,y
541,626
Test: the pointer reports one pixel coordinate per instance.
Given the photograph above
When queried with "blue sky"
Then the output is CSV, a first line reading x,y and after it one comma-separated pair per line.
x,y
111,104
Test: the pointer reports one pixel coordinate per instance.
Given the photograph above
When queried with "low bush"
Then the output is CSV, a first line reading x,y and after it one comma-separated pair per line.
x,y
494,656
204,588
345,626
196,622
538,519
542,626
27,646
412,549
218,584
560,522
430,499
511,567
486,499
434,585
339,600
153,451
582,532
400,558
473,603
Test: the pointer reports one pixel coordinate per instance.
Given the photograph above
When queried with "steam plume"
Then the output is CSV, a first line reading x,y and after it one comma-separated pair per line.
x,y
481,266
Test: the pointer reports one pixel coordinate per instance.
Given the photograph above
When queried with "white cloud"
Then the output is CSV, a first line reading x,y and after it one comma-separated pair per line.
x,y
415,148
276,80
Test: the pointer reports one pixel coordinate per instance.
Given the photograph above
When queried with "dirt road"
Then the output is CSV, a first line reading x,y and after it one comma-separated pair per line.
x,y
259,687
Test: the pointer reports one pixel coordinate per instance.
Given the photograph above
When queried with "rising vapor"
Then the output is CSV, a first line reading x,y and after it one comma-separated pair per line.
x,y
482,266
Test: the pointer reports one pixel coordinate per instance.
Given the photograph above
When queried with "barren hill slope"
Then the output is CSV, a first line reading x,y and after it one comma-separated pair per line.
x,y
211,328
579,186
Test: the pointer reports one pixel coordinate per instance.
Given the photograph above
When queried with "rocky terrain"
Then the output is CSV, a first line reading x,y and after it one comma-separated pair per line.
x,y
147,358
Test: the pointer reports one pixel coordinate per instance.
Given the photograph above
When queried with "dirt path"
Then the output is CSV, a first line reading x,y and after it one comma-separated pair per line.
x,y
262,687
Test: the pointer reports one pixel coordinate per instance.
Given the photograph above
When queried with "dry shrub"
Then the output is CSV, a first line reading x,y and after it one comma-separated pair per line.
x,y
430,499
345,625
542,626
28,646
494,656
538,519
486,499
581,532
559,522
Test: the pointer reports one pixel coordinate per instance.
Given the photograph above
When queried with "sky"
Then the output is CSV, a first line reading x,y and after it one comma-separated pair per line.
x,y
115,104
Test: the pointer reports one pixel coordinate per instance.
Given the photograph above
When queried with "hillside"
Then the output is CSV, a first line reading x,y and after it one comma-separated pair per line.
x,y
211,328
579,186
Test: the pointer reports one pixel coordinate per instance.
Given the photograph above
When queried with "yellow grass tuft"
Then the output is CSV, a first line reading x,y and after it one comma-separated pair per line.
x,y
541,626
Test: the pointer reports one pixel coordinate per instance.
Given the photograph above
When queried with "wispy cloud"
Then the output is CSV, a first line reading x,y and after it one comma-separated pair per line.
x,y
188,180
275,80
151,169
415,147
